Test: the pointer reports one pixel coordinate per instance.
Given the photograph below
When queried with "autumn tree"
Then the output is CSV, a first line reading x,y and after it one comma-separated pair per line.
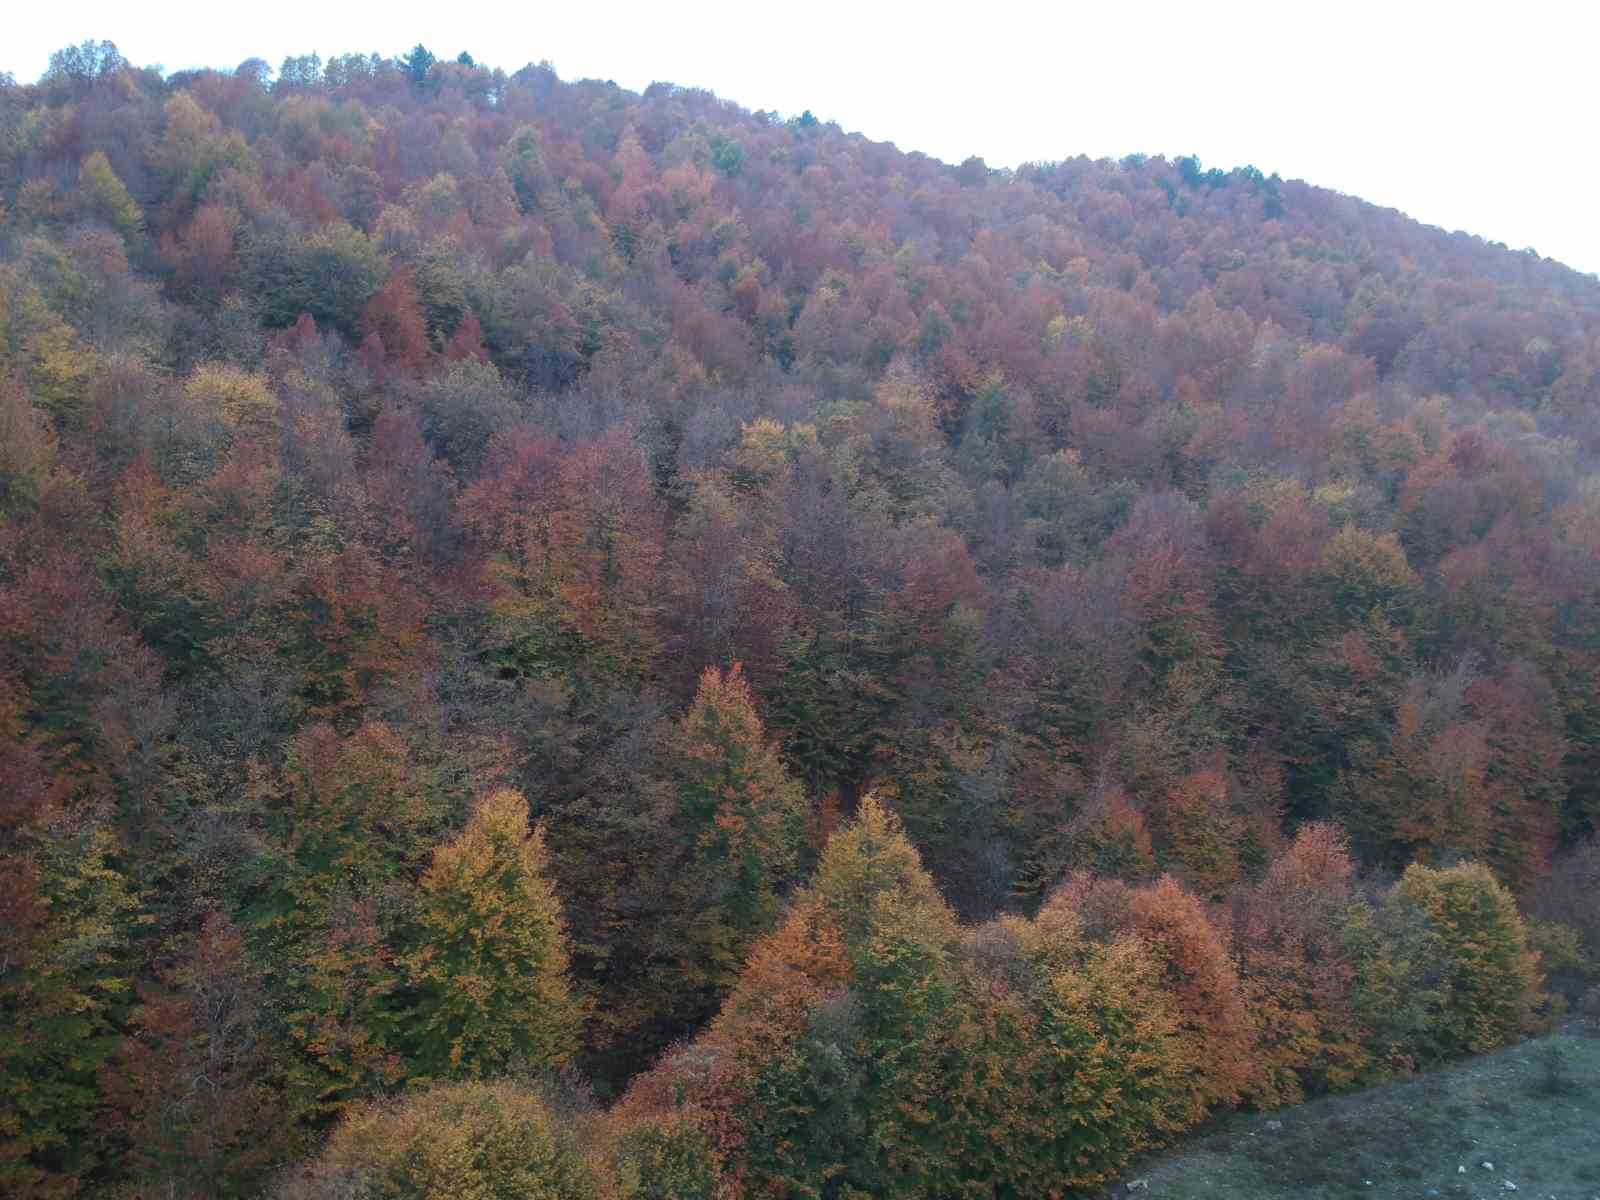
x,y
494,1141
1197,971
738,818
190,1088
1470,956
489,964
382,432
828,1108
66,935
349,820
1063,1061
105,196
1298,973
393,317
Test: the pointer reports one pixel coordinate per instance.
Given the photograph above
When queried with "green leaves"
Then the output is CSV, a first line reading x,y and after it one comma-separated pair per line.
x,y
1474,954
64,976
105,197
490,960
472,1141
330,274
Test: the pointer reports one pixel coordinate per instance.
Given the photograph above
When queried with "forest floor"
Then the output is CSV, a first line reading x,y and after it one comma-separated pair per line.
x,y
1524,1122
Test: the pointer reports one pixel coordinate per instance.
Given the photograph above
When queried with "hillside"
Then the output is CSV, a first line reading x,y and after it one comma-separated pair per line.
x,y
505,577
1524,1116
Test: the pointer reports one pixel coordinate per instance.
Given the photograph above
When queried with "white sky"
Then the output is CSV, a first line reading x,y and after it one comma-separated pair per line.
x,y
1468,115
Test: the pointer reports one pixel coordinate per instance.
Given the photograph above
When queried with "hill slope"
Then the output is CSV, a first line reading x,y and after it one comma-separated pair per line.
x,y
396,452
1532,1120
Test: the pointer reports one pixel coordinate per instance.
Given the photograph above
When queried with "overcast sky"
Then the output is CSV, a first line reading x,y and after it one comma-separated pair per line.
x,y
1473,116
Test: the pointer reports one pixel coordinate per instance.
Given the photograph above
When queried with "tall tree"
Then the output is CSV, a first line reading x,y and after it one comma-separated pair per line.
x,y
490,960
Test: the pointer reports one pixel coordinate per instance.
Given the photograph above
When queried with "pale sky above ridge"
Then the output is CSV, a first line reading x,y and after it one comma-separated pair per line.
x,y
1472,116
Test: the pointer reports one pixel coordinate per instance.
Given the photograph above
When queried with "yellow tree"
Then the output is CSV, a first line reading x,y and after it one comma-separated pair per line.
x,y
105,196
467,1141
490,962
1480,980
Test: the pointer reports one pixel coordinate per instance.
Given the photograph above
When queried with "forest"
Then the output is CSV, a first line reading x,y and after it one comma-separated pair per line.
x,y
570,643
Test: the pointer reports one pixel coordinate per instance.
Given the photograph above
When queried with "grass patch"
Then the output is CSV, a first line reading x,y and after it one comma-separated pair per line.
x,y
1533,1110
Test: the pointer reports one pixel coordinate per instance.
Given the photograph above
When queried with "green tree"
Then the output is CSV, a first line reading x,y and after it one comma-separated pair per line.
x,y
490,963
667,1159
63,954
104,196
470,1141
1471,961
417,64
349,820
727,154
830,1114
736,808
523,159
332,275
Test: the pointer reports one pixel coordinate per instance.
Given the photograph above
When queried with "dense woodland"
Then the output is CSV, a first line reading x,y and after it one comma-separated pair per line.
x,y
560,642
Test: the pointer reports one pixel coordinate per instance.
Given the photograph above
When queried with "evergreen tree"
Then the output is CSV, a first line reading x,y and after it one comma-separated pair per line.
x,y
417,64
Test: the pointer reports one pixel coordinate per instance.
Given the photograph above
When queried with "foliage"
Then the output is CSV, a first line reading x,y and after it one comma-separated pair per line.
x,y
190,1082
738,815
106,197
799,545
490,962
667,1159
1299,975
65,944
494,1141
1474,960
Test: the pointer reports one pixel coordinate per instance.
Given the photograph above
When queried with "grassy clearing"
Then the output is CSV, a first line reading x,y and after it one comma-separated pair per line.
x,y
1532,1110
